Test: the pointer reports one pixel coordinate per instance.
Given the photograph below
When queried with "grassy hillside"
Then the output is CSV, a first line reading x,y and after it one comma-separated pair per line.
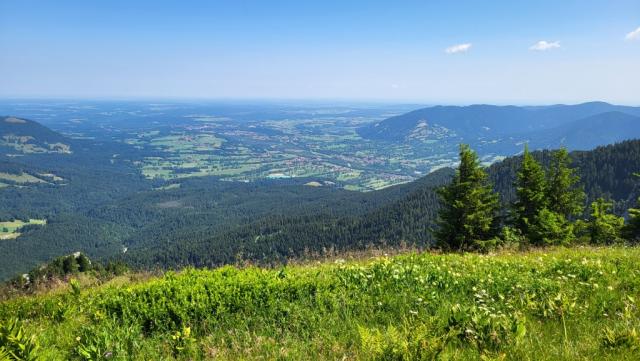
x,y
554,304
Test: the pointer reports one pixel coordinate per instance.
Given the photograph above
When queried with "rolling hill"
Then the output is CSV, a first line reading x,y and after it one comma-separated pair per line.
x,y
26,136
507,126
589,132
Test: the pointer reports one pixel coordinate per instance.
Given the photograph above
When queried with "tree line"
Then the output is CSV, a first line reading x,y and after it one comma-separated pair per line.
x,y
548,209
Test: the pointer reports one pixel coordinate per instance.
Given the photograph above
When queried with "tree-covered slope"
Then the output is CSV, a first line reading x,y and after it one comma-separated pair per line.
x,y
590,132
606,171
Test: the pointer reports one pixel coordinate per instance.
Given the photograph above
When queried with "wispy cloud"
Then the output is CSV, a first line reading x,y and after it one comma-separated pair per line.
x,y
634,35
543,45
460,48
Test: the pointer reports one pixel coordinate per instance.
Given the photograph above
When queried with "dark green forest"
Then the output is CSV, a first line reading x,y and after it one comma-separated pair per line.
x,y
605,172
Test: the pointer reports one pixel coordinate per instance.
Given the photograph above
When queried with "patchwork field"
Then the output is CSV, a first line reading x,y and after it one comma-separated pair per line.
x,y
22,178
10,229
26,145
285,149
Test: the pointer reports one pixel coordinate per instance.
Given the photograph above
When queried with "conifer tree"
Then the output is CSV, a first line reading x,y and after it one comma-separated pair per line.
x,y
69,265
632,228
564,195
549,228
83,263
604,227
468,214
531,190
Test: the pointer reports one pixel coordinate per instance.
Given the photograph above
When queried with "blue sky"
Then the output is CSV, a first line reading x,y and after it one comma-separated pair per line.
x,y
350,50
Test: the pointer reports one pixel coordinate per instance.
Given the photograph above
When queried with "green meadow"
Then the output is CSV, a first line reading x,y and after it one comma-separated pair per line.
x,y
550,304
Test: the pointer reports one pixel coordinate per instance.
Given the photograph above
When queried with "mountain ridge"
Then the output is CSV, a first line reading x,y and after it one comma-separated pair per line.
x,y
501,126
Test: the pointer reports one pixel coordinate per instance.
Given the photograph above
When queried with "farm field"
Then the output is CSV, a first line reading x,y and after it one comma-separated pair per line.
x,y
22,178
10,229
549,304
23,145
287,149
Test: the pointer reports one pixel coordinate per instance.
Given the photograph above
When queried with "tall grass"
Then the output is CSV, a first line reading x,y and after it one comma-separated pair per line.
x,y
558,304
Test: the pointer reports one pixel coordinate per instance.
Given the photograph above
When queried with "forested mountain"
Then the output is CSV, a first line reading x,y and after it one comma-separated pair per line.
x,y
469,120
605,171
581,126
590,132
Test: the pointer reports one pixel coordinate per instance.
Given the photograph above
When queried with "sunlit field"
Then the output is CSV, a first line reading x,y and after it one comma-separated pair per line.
x,y
554,304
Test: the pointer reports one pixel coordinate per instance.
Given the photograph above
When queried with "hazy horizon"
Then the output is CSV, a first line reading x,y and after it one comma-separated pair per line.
x,y
296,101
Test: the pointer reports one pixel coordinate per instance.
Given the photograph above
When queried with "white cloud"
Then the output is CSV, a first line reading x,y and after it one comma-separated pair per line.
x,y
634,35
395,86
543,45
460,48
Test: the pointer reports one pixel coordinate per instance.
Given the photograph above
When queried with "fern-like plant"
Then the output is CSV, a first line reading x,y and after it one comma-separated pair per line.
x,y
16,344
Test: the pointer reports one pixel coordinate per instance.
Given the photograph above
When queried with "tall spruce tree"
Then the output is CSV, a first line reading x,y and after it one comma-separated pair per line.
x,y
531,188
468,214
564,195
